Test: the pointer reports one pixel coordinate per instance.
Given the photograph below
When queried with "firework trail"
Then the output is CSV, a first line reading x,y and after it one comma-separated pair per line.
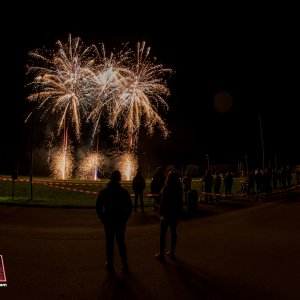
x,y
75,82
61,163
90,165
141,93
60,79
103,88
127,164
128,92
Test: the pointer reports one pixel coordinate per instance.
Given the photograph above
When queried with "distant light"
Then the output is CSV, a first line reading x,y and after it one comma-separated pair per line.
x,y
223,101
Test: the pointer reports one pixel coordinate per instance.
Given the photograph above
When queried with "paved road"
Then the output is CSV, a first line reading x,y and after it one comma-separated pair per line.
x,y
238,250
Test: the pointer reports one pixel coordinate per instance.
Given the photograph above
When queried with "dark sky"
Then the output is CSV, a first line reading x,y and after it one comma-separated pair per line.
x,y
251,56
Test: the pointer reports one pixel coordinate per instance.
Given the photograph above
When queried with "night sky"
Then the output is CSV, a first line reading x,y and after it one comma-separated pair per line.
x,y
229,71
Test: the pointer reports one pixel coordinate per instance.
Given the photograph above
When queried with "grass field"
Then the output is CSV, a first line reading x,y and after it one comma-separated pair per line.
x,y
69,193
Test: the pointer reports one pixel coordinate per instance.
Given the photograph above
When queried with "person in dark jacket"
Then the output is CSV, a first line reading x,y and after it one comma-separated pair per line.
x,y
138,186
298,175
228,181
217,186
114,207
187,186
209,181
170,209
156,186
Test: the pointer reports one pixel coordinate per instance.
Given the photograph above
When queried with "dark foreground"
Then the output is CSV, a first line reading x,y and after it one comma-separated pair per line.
x,y
238,250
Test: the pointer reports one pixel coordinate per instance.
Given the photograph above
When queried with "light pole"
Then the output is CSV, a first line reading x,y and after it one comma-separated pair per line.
x,y
262,142
207,157
31,153
145,162
39,80
246,158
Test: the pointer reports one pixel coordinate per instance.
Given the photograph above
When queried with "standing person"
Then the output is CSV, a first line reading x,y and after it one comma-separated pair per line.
x,y
289,172
283,177
267,182
156,186
187,186
138,186
114,208
298,175
217,186
259,184
170,208
228,181
275,177
251,183
208,184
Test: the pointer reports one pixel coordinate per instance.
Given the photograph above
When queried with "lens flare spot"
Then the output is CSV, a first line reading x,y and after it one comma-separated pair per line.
x,y
223,101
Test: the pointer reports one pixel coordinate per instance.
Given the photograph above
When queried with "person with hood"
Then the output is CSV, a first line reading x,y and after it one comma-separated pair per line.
x,y
170,210
114,207
156,185
138,186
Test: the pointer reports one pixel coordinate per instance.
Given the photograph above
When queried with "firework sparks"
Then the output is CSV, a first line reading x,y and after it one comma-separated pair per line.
x,y
127,164
104,85
77,81
90,165
59,82
61,163
130,92
141,93
59,88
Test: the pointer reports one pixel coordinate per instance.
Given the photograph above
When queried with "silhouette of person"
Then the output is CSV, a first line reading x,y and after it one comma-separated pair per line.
x,y
156,186
208,184
170,209
138,186
283,177
259,183
275,177
217,186
114,207
251,183
298,175
228,181
267,182
187,186
289,172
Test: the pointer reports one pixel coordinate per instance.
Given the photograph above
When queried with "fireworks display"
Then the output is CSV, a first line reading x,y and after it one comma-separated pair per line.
x,y
127,164
91,165
59,83
124,89
61,163
104,86
140,95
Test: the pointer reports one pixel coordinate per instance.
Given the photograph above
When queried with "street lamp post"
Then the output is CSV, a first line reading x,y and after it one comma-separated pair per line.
x,y
31,153
207,157
246,158
145,164
32,140
262,143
